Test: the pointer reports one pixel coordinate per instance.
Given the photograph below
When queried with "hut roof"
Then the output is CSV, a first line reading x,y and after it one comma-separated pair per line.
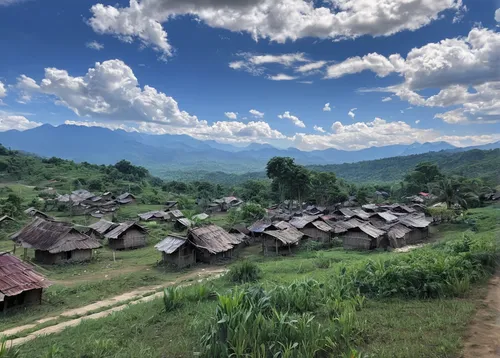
x,y
103,226
32,212
340,227
240,228
348,213
212,238
170,244
300,221
363,215
54,237
185,222
370,230
202,216
282,225
121,229
155,214
322,226
355,222
177,214
6,218
370,207
414,221
387,217
17,277
260,226
397,231
288,236
125,196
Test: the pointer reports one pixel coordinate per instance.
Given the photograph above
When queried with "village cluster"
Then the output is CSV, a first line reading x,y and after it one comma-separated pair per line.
x,y
285,228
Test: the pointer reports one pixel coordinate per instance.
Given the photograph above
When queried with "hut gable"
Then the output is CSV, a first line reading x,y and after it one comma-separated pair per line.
x,y
153,215
212,238
128,235
382,219
177,251
125,198
17,277
171,244
398,235
183,223
123,228
175,214
261,226
54,237
300,221
36,213
287,237
103,226
240,228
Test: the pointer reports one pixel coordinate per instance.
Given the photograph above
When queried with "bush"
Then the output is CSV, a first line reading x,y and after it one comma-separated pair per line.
x,y
172,298
244,271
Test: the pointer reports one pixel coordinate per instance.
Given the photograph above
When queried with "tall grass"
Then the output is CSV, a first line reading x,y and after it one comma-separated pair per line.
x,y
244,271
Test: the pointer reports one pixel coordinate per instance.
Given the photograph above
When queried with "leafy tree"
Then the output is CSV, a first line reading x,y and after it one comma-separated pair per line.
x,y
11,206
280,170
451,192
95,184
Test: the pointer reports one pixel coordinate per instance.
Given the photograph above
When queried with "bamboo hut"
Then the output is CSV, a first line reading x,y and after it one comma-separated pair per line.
x,y
128,235
213,243
318,231
363,237
98,229
280,241
177,251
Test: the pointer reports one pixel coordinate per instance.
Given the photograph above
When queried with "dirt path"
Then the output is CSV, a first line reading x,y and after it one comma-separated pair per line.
x,y
119,302
483,336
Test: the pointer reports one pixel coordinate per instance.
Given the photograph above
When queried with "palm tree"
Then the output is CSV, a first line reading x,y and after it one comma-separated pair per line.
x,y
452,192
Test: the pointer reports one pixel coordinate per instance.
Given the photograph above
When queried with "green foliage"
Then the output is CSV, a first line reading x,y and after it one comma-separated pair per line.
x,y
244,271
8,351
172,298
11,206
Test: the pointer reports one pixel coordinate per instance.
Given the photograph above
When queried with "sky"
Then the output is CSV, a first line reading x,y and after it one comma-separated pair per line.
x,y
345,74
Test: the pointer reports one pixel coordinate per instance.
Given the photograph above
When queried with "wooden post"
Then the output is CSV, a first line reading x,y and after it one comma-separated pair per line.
x,y
114,256
276,247
14,251
290,249
5,305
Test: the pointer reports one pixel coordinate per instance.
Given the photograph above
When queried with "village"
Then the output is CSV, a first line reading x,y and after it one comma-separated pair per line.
x,y
283,230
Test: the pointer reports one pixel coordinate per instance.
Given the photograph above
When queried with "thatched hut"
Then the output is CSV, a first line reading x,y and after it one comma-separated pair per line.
x,y
382,219
318,231
125,198
56,242
20,284
177,251
300,222
363,237
258,227
398,235
280,241
213,243
98,229
127,235
155,215
419,228
36,213
174,215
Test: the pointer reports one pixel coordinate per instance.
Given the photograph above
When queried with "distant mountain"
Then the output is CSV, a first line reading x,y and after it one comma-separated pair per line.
x,y
167,153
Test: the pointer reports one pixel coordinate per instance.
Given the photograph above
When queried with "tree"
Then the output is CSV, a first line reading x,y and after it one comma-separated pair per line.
x,y
11,206
280,170
324,189
451,192
423,174
300,183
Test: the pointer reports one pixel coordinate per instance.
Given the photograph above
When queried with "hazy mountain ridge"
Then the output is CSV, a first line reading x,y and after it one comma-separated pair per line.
x,y
181,152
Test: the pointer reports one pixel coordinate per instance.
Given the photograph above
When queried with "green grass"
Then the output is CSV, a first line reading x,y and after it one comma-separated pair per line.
x,y
393,327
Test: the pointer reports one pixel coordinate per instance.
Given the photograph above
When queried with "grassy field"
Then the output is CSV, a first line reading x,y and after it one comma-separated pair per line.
x,y
392,327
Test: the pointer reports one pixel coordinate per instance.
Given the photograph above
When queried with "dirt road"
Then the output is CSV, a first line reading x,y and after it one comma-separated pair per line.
x,y
117,303
483,337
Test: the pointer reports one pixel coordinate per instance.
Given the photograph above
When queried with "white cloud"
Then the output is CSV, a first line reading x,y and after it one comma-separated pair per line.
x,y
277,20
417,121
378,133
10,2
94,45
256,113
351,113
285,59
379,64
3,91
466,72
306,82
231,115
497,15
319,129
313,66
281,77
111,92
327,108
386,99
20,123
295,120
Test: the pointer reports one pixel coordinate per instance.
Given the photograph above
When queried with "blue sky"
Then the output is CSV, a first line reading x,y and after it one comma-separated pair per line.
x,y
198,67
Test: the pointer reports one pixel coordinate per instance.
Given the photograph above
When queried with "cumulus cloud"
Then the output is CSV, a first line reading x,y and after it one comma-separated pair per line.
x,y
497,15
281,77
94,45
465,70
351,113
374,62
295,120
313,66
327,108
231,115
3,91
417,121
20,123
256,113
319,129
277,20
110,91
386,99
378,133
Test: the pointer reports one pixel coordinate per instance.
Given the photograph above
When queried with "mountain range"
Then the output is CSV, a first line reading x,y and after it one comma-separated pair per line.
x,y
164,153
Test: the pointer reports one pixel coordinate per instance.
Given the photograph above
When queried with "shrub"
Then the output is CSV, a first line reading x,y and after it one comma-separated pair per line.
x,y
172,298
244,271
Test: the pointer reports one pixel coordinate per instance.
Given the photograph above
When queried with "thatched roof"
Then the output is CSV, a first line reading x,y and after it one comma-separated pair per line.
x,y
414,221
370,230
288,236
239,228
185,222
171,244
54,237
176,214
151,215
282,225
17,277
397,231
387,217
212,238
103,226
261,226
121,229
321,225
34,212
300,221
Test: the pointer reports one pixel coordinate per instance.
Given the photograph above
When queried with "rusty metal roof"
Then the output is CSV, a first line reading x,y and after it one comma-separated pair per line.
x,y
17,276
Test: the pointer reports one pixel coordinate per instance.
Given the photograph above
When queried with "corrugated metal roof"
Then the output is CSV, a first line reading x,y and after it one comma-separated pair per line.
x,y
212,238
170,244
288,236
345,212
17,276
122,228
361,214
54,237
